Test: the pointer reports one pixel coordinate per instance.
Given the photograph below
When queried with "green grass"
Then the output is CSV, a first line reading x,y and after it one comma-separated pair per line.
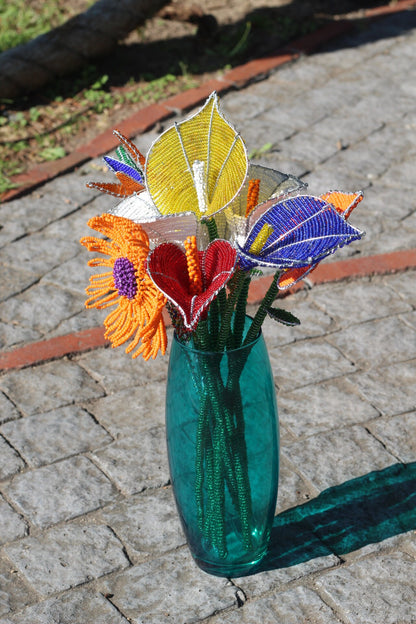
x,y
21,21
93,98
40,129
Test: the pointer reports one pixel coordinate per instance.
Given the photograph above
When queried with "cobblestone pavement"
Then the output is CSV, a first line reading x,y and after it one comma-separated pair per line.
x,y
88,527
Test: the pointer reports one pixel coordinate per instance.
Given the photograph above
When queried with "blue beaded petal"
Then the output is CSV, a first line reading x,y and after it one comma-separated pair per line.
x,y
117,165
306,229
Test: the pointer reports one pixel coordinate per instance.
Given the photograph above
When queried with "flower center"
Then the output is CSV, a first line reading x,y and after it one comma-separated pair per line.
x,y
125,277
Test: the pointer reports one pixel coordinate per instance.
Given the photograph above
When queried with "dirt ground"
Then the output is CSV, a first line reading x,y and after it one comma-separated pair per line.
x,y
186,41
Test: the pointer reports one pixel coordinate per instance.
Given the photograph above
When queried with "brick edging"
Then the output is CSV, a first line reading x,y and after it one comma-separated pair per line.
x,y
147,117
89,339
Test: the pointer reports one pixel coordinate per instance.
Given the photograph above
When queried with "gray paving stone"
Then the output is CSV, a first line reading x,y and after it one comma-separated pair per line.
x,y
250,613
11,334
136,463
33,212
310,147
153,592
400,175
115,370
10,230
12,524
7,410
314,322
126,412
14,281
15,593
398,434
50,436
390,240
322,407
73,274
74,607
330,175
297,117
245,105
147,524
86,319
60,491
41,307
345,127
360,301
293,489
404,286
402,542
383,201
374,590
10,462
295,78
307,362
49,386
409,318
408,543
338,456
339,59
275,159
38,254
391,389
409,224
294,606
74,226
275,579
377,342
67,556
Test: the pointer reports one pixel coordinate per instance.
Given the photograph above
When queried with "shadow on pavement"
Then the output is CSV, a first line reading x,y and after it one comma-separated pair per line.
x,y
344,518
258,34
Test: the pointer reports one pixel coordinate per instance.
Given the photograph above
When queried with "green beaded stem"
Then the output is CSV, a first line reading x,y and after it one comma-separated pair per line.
x,y
261,313
221,463
240,313
225,330
221,459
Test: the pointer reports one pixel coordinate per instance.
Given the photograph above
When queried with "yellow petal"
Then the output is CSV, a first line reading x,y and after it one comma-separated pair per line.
x,y
197,165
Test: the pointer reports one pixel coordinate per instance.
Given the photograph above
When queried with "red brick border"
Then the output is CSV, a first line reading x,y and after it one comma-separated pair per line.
x,y
89,339
365,266
147,117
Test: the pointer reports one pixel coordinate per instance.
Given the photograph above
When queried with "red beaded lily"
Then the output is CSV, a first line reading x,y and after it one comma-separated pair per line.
x,y
191,280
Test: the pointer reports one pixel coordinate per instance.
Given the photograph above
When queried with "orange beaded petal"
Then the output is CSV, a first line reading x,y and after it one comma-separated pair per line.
x,y
138,319
252,195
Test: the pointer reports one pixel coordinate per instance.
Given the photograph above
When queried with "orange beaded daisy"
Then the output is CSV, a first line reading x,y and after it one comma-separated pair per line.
x,y
139,304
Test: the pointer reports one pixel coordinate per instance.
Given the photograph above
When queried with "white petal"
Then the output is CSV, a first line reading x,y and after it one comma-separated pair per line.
x,y
138,208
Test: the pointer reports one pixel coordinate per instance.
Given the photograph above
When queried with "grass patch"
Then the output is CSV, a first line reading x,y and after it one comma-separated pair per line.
x,y
21,20
151,65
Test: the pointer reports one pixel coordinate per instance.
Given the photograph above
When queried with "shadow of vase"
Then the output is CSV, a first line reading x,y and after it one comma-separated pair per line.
x,y
344,518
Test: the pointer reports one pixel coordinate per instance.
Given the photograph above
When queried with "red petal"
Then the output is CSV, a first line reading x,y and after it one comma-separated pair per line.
x,y
168,269
292,276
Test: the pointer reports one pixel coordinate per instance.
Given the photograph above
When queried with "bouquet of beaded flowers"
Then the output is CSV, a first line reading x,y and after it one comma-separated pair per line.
x,y
195,222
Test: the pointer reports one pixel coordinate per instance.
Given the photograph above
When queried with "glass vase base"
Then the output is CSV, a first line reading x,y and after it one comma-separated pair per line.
x,y
230,570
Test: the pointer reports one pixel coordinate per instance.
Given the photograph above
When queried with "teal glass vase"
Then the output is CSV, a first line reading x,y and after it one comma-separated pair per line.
x,y
223,450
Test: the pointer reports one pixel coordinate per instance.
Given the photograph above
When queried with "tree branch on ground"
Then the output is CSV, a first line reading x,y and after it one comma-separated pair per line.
x,y
65,49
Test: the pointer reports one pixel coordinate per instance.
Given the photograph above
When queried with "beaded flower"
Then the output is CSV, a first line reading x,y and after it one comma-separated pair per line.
x,y
344,204
191,280
295,233
195,218
137,316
